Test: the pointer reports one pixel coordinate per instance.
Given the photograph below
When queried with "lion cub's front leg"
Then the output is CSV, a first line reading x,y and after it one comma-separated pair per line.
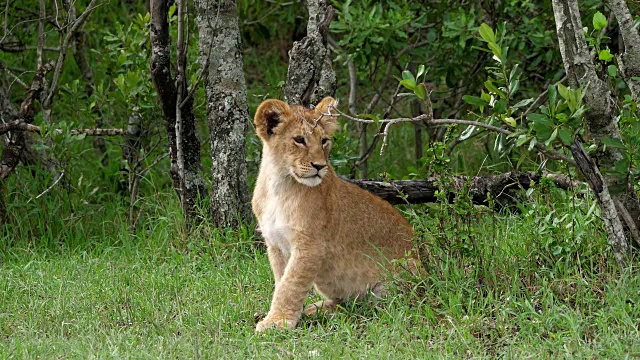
x,y
292,289
277,261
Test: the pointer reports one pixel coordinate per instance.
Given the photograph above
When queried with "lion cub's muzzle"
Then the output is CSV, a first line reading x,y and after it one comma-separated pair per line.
x,y
310,175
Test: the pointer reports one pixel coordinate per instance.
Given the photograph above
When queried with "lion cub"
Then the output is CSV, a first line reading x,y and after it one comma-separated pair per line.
x,y
320,230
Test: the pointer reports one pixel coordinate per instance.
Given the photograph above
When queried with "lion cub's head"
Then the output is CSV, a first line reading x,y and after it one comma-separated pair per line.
x,y
298,139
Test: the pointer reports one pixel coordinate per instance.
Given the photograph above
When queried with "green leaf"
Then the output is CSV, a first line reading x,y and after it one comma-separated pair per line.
x,y
522,103
474,100
407,75
492,88
496,50
513,74
612,70
467,132
510,121
522,139
485,96
513,87
599,21
542,125
537,118
532,144
500,106
420,71
420,91
613,143
566,136
605,55
564,91
486,33
553,136
409,84
622,165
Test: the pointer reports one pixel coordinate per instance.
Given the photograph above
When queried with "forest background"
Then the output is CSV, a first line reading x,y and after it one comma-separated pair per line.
x,y
101,255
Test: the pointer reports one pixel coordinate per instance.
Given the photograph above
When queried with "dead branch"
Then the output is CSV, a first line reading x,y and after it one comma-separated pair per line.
x,y
500,187
49,188
22,125
15,77
598,185
16,47
63,52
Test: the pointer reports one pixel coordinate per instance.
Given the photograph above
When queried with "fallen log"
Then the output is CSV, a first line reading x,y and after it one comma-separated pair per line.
x,y
501,187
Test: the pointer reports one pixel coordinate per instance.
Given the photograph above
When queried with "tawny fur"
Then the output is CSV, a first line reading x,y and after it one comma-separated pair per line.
x,y
319,229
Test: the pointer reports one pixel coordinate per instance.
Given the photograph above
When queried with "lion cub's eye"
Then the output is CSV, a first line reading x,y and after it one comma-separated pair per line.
x,y
299,140
325,141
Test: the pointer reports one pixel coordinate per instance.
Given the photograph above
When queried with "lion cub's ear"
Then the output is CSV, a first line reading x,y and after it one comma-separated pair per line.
x,y
269,115
326,106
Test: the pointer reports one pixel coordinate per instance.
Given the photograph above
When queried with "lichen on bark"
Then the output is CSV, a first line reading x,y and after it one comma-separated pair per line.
x,y
227,109
599,119
310,76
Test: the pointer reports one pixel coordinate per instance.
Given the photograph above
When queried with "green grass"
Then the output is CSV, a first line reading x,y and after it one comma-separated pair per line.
x,y
494,288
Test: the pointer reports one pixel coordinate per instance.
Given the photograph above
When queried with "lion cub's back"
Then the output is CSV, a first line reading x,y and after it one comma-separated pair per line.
x,y
366,219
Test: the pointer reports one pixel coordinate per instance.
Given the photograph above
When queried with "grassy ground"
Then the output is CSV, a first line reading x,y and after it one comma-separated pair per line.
x,y
497,285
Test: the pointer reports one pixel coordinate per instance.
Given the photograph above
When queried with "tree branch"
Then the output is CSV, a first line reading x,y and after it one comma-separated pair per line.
x,y
499,186
63,51
426,118
629,60
21,125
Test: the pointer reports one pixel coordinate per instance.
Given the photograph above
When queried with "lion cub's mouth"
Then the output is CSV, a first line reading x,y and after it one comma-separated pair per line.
x,y
311,181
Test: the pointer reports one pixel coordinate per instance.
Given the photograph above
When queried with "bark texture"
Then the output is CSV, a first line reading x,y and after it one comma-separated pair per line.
x,y
600,119
629,60
500,187
310,76
227,110
15,147
612,222
189,187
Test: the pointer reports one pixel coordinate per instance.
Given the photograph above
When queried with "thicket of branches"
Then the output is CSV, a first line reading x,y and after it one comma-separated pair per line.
x,y
97,109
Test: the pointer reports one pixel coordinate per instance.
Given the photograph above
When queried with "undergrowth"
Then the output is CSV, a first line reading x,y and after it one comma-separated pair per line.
x,y
534,281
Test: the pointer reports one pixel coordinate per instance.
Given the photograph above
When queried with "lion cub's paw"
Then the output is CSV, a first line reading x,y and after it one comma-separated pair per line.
x,y
271,323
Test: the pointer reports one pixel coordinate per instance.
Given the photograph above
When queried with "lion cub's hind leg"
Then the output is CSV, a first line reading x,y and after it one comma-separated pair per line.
x,y
321,306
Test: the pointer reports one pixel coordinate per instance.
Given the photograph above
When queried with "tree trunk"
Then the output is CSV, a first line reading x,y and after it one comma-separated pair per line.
x,y
190,186
600,119
629,60
130,164
500,187
310,76
8,113
227,110
612,222
16,148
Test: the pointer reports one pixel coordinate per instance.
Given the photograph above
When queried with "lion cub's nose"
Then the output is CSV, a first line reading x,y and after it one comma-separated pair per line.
x,y
319,166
